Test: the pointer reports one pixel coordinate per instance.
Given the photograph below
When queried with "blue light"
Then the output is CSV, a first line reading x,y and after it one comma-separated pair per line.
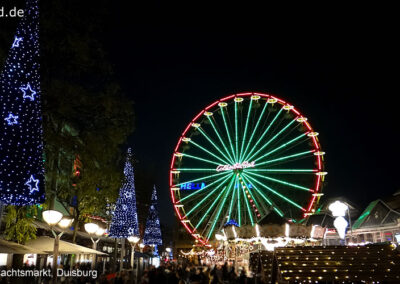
x,y
32,181
16,42
192,186
21,142
32,92
11,119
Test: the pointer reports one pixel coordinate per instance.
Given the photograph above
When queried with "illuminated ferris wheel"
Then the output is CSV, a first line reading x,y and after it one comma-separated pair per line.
x,y
242,158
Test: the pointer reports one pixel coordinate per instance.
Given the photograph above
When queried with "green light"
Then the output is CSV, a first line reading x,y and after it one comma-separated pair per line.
x,y
238,205
202,190
282,170
194,169
280,147
231,205
245,130
276,193
248,207
205,198
251,194
286,157
266,199
212,154
236,132
254,130
227,132
264,133
220,209
281,182
202,178
209,140
211,207
220,139
200,159
272,139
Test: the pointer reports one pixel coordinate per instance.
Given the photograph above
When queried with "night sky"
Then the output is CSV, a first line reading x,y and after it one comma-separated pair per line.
x,y
340,77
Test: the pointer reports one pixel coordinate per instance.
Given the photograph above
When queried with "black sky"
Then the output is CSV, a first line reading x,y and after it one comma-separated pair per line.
x,y
343,77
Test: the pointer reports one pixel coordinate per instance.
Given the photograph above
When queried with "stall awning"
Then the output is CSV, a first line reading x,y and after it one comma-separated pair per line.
x,y
11,247
46,244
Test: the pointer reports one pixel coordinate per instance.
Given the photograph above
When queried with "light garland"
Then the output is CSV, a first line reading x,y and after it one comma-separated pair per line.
x,y
152,232
124,222
21,163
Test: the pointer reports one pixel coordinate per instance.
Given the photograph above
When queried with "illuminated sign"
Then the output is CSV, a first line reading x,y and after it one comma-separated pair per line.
x,y
236,166
192,186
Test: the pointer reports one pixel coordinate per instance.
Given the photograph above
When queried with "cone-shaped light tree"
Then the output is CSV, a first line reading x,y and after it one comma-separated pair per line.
x,y
152,232
21,145
124,221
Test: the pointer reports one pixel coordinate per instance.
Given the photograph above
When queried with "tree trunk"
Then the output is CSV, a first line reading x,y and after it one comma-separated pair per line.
x,y
75,225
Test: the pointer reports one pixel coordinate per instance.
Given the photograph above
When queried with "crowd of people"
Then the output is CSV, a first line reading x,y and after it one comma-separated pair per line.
x,y
172,273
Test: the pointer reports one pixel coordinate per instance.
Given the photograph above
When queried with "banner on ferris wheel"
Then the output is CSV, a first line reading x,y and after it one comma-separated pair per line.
x,y
236,166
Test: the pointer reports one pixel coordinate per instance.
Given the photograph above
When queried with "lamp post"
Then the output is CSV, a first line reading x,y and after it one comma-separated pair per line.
x,y
53,218
338,210
133,240
94,230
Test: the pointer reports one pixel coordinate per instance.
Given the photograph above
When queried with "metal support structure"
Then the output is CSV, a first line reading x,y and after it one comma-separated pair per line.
x,y
55,254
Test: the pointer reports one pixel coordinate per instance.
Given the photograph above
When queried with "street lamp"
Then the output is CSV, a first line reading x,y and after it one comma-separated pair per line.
x,y
338,210
133,240
52,218
94,229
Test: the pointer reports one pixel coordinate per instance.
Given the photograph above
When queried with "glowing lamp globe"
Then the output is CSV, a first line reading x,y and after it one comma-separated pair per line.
x,y
133,239
341,224
168,249
338,208
65,222
141,245
52,217
100,232
91,228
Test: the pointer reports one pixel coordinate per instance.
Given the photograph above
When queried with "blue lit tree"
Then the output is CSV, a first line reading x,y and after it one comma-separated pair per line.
x,y
124,221
21,145
152,232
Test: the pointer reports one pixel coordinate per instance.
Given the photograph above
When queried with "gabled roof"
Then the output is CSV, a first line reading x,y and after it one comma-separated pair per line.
x,y
377,213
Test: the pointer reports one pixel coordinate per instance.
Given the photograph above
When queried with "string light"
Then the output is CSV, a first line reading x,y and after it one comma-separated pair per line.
x,y
152,232
21,144
124,222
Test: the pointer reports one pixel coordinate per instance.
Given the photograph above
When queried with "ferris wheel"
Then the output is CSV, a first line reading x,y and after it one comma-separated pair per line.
x,y
242,158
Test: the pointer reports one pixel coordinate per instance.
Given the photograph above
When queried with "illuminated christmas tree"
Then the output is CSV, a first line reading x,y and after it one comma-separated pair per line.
x,y
125,219
21,145
152,232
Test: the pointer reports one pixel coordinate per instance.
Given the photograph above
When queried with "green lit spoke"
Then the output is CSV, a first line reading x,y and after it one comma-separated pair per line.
x,y
212,142
245,130
195,170
220,208
282,170
222,141
263,135
212,154
233,198
202,178
281,181
277,148
272,139
238,206
201,159
275,207
227,132
254,130
285,157
251,194
207,186
248,206
211,207
236,132
275,192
